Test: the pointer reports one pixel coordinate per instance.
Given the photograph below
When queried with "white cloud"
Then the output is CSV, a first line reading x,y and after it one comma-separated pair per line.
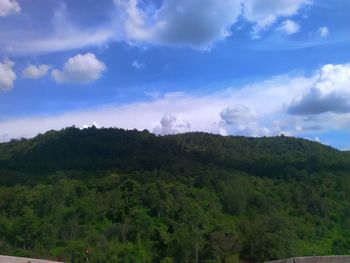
x,y
323,31
82,69
35,72
167,125
241,120
183,112
196,23
170,124
265,13
330,93
138,65
7,75
8,7
59,42
59,34
289,27
94,124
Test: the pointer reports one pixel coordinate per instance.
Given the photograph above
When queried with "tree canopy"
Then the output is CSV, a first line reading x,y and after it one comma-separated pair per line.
x,y
112,195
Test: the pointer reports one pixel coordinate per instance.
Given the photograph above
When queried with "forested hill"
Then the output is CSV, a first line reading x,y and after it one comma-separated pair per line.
x,y
130,196
100,149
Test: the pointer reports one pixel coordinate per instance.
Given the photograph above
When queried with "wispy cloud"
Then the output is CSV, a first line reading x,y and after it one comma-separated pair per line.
x,y
138,65
60,34
7,75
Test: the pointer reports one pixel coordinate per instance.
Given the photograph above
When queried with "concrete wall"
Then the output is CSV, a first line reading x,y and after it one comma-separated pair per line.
x,y
7,259
327,259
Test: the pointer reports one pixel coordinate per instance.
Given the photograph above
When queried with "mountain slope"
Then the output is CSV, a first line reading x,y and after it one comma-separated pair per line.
x,y
129,196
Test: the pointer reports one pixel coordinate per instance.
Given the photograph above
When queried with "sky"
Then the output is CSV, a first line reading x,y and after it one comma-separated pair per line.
x,y
231,67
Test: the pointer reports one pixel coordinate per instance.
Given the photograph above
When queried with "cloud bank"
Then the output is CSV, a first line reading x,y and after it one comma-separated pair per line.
x,y
299,106
239,110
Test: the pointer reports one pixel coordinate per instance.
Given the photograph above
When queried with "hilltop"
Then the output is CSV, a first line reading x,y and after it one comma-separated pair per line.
x,y
100,149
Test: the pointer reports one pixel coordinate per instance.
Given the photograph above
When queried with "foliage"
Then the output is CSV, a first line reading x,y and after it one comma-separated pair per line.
x,y
128,196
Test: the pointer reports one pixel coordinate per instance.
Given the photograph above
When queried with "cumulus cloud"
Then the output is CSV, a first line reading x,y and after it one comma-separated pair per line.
x,y
169,124
265,13
81,69
289,27
242,120
8,7
7,75
35,72
330,93
196,23
323,31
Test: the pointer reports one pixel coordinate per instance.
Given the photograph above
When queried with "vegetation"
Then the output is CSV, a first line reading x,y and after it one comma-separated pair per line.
x,y
112,195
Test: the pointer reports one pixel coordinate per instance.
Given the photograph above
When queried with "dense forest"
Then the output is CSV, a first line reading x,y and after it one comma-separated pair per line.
x,y
111,195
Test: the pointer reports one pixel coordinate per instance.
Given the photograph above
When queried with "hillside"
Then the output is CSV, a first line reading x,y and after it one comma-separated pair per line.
x,y
130,196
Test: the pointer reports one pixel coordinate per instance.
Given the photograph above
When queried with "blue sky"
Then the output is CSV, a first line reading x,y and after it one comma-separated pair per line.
x,y
252,67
